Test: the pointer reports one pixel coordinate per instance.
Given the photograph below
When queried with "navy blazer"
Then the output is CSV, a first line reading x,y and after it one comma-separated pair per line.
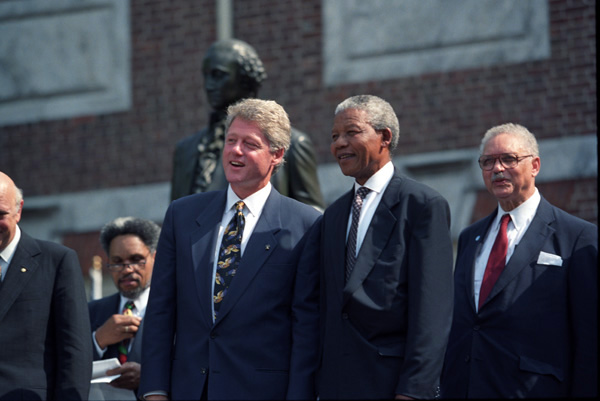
x,y
45,351
100,311
385,330
536,334
263,344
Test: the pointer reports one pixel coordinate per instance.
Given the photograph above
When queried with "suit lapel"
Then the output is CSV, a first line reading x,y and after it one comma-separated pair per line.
x,y
260,246
339,225
203,248
379,229
528,248
22,267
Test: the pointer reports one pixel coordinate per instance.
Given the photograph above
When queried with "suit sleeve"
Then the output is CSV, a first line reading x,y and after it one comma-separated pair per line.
x,y
305,320
159,320
583,304
430,299
72,325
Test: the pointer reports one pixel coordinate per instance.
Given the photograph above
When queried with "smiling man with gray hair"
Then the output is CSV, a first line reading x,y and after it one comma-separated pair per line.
x,y
526,288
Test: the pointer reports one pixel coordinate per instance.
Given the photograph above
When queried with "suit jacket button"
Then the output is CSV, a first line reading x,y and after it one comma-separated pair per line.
x,y
467,358
213,335
345,316
203,371
476,327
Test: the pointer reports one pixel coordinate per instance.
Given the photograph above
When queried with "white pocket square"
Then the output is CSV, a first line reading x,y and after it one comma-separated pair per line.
x,y
549,259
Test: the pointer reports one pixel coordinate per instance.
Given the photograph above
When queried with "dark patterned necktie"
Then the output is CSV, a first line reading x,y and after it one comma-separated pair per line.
x,y
351,245
124,345
230,254
496,261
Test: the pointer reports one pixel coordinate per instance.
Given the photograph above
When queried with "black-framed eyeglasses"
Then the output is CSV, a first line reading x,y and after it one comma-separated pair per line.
x,y
117,267
508,160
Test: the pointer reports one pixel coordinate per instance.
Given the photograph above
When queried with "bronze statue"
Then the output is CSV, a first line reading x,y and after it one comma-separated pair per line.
x,y
233,71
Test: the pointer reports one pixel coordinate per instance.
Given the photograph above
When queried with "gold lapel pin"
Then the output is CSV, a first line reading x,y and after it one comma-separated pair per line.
x,y
23,270
267,247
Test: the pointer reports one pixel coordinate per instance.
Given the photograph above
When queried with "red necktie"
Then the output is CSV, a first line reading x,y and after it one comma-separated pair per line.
x,y
496,261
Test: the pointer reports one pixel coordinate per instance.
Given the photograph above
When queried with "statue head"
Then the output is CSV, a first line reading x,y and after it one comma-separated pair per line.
x,y
232,71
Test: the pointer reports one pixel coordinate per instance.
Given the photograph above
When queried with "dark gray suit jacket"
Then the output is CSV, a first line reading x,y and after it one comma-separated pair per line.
x,y
100,311
384,332
45,350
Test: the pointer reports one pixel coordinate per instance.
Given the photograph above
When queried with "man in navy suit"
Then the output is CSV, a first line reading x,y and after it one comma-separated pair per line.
x,y
116,320
386,286
255,337
525,317
45,352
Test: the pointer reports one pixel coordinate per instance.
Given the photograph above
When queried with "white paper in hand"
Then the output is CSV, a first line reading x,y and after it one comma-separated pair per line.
x,y
100,368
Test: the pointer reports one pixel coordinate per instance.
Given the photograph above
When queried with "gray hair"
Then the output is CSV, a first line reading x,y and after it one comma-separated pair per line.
x,y
380,114
526,138
148,231
250,67
269,116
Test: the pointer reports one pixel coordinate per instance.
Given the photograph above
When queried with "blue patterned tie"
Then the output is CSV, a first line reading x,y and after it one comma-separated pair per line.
x,y
230,254
351,245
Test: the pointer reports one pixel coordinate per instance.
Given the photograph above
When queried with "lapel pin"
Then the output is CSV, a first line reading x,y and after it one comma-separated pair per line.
x,y
477,238
267,247
23,270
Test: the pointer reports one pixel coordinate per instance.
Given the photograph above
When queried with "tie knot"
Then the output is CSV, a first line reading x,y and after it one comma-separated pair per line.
x,y
505,220
239,206
129,305
362,192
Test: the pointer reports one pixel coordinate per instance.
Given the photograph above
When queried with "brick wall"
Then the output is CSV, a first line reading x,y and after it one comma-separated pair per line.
x,y
553,98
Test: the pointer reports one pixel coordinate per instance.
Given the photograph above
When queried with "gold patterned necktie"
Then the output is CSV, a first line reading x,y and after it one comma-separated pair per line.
x,y
230,254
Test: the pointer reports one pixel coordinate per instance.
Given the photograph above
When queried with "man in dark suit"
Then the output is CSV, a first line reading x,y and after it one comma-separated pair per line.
x,y
386,286
116,320
236,313
233,71
44,326
526,295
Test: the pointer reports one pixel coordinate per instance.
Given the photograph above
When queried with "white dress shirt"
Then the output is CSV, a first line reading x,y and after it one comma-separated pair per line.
x,y
377,183
7,254
253,207
520,219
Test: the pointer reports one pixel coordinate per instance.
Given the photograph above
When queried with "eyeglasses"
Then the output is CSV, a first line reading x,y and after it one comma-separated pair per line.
x,y
507,160
117,267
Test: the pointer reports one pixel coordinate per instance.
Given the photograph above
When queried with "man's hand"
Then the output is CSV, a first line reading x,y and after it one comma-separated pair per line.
x,y
116,329
130,376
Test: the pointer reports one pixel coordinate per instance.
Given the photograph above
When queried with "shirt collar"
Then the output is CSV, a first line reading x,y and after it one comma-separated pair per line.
x,y
8,252
522,214
378,181
254,203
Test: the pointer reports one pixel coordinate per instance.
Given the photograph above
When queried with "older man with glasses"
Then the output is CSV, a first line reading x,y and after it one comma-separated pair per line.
x,y
116,320
525,322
